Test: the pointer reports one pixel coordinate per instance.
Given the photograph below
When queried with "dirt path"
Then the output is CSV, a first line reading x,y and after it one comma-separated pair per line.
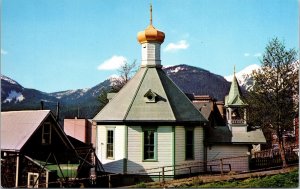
x,y
213,178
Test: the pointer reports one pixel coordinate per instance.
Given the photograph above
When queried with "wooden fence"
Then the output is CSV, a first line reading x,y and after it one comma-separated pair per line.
x,y
272,158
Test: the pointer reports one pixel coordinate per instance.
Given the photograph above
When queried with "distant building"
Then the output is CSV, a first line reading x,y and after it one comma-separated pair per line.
x,y
81,129
35,152
211,109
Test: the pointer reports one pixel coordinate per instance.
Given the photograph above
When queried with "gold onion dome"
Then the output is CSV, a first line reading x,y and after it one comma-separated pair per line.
x,y
150,34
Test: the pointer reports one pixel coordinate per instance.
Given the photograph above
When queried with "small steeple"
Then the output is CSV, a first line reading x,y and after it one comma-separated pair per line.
x,y
234,70
234,97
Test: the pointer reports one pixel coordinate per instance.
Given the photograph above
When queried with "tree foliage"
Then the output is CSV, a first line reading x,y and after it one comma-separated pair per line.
x,y
273,99
125,73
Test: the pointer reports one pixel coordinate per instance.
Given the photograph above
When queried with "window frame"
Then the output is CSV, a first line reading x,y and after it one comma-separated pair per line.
x,y
47,135
112,144
33,175
147,129
189,129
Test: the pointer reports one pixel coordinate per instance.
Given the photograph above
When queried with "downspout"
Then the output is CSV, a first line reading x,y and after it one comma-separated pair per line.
x,y
125,151
205,149
173,151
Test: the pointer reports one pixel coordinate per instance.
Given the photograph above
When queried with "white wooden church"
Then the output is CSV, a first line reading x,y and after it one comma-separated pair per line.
x,y
151,123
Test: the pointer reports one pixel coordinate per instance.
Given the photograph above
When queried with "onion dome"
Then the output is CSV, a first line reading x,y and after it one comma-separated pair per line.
x,y
150,34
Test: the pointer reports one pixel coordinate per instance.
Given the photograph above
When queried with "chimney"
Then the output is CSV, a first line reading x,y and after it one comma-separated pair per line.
x,y
42,105
57,111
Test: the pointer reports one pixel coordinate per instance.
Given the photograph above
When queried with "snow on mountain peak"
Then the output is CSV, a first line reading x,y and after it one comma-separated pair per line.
x,y
175,69
246,71
3,77
244,76
13,95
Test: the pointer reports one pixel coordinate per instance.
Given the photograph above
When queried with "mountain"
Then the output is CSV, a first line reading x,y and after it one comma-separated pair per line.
x,y
244,76
84,103
198,81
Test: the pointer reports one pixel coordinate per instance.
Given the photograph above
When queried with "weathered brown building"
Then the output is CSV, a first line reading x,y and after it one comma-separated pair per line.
x,y
36,152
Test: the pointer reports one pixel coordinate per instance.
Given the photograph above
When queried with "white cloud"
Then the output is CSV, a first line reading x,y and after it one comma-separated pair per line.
x,y
257,55
182,44
3,52
254,55
113,63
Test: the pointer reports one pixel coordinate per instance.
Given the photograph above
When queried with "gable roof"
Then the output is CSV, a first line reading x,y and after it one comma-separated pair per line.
x,y
131,105
234,98
18,126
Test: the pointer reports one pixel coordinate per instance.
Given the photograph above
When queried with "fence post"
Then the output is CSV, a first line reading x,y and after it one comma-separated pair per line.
x,y
163,174
109,181
221,166
159,177
190,168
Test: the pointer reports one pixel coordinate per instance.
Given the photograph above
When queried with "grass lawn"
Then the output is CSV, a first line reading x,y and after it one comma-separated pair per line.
x,y
286,180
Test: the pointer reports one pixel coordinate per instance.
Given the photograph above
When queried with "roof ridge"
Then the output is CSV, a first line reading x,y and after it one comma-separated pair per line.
x,y
14,111
167,96
136,91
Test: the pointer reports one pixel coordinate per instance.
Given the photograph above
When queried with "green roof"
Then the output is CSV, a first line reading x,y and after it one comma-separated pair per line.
x,y
234,98
150,96
63,170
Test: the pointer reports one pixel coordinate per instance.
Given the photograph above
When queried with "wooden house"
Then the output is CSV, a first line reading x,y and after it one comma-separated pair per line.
x,y
35,152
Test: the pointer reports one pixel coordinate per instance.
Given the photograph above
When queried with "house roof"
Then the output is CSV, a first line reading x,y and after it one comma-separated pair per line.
x,y
18,126
222,134
204,107
234,96
150,96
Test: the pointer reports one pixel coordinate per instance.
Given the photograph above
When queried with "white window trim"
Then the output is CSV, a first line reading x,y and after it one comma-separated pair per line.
x,y
114,141
30,174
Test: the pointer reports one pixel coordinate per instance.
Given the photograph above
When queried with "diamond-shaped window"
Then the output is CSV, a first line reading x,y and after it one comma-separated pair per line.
x,y
150,96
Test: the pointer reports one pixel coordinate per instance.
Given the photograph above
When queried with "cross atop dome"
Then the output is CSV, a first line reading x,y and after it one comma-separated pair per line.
x,y
151,34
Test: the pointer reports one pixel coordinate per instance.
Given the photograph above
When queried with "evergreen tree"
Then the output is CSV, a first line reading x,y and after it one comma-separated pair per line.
x,y
273,99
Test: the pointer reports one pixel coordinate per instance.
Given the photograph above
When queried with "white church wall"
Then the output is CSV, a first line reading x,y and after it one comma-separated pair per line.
x,y
115,164
135,150
180,149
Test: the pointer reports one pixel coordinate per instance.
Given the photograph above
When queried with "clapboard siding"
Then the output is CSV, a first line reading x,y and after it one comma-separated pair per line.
x,y
164,149
114,165
180,148
225,151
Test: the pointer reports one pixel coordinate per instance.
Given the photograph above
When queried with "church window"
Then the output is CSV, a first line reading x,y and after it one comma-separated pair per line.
x,y
110,144
150,147
189,144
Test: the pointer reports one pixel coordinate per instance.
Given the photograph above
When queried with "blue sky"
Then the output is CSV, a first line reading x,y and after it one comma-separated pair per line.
x,y
54,45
